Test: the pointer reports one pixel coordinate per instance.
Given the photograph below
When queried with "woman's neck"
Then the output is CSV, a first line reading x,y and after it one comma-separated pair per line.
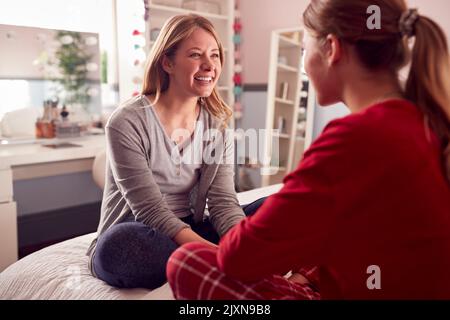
x,y
177,113
175,106
367,89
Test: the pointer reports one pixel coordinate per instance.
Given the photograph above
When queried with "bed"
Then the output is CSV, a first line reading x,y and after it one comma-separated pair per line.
x,y
59,272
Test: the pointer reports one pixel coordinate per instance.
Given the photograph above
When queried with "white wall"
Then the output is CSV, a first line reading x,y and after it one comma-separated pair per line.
x,y
438,10
260,17
76,15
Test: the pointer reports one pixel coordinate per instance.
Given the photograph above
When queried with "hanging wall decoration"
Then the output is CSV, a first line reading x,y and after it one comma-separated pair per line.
x,y
237,78
139,54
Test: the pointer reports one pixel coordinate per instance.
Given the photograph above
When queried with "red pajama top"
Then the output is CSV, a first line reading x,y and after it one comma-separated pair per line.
x,y
368,204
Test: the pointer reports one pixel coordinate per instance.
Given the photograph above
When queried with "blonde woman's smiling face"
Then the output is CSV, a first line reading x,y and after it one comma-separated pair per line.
x,y
196,66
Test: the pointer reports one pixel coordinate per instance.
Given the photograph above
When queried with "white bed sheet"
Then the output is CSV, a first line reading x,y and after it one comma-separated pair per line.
x,y
60,271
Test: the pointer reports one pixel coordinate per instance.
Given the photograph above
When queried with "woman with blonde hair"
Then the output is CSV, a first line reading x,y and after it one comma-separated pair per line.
x,y
160,171
369,204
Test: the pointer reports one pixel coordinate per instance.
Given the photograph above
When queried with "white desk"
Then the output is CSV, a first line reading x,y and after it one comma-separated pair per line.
x,y
33,160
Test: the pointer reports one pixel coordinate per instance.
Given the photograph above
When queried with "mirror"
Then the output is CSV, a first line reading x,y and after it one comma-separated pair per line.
x,y
39,64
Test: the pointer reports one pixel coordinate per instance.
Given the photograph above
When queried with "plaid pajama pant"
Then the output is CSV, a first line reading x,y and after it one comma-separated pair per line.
x,y
193,275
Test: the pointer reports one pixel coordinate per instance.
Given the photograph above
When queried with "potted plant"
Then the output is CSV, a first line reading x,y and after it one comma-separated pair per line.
x,y
72,61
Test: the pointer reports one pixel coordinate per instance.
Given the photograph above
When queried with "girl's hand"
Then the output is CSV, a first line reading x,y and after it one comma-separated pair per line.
x,y
298,278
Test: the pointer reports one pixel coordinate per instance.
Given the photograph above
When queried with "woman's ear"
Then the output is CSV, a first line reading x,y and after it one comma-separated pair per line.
x,y
167,64
334,49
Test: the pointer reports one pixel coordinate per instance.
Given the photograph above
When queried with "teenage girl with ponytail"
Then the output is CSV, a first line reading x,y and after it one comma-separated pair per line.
x,y
369,204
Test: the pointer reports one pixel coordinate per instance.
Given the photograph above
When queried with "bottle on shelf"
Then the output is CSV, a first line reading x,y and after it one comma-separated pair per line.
x,y
45,125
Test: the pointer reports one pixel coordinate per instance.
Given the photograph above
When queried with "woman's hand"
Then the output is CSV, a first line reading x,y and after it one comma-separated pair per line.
x,y
187,235
298,278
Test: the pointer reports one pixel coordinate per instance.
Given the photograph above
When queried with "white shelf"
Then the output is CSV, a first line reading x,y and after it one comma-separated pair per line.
x,y
284,101
157,9
285,67
282,135
286,42
271,171
222,88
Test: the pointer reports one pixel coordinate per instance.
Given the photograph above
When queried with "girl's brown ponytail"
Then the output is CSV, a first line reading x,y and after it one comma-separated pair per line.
x,y
428,84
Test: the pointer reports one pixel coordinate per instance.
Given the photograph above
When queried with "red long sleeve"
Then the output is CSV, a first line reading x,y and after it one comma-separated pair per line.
x,y
369,191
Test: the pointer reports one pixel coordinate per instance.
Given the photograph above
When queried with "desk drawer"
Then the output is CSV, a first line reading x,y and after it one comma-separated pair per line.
x,y
6,186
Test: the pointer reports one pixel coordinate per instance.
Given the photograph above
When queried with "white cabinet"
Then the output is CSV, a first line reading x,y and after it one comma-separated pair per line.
x,y
34,160
290,107
8,234
8,220
6,190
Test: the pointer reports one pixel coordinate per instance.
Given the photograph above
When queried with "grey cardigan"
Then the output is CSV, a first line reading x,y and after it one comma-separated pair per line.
x,y
130,186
